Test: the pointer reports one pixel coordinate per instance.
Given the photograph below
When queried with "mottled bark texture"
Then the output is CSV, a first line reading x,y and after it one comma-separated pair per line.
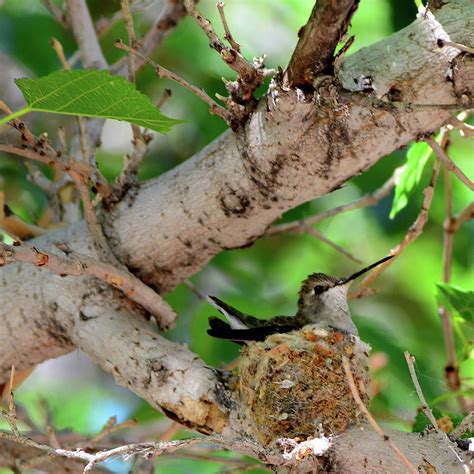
x,y
294,148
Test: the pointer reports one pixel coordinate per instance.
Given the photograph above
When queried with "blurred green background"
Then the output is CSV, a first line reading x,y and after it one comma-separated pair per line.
x,y
264,279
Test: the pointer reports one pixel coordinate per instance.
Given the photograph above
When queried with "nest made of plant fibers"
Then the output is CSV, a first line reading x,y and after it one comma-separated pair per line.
x,y
294,384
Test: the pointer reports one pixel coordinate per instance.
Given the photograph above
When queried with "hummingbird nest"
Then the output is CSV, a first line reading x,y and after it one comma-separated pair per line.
x,y
294,384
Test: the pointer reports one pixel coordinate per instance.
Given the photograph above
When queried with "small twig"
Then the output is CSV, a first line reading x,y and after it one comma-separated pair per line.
x,y
235,61
320,236
170,432
10,415
194,289
367,200
227,34
461,47
371,419
162,72
164,97
109,427
451,370
413,233
131,162
52,438
250,76
465,426
132,40
465,128
173,12
57,13
442,156
77,265
148,449
427,410
93,225
58,47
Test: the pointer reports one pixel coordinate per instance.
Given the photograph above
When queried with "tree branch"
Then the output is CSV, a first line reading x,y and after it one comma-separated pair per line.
x,y
83,28
225,197
442,156
77,265
314,53
161,71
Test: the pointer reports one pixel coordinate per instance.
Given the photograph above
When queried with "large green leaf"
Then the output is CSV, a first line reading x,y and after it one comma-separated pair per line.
x,y
91,93
458,301
409,175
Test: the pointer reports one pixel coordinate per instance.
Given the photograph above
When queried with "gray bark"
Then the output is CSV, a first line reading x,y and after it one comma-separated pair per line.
x,y
293,149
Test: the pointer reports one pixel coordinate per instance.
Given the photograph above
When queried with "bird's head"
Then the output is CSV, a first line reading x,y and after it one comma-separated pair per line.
x,y
320,292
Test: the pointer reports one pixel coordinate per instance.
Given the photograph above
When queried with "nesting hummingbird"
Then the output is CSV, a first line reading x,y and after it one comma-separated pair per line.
x,y
322,301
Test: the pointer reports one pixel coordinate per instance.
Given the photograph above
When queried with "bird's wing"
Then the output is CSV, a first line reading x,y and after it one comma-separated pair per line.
x,y
236,318
222,330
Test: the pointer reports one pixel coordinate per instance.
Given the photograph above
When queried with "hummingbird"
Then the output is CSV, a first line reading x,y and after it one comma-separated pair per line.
x,y
322,301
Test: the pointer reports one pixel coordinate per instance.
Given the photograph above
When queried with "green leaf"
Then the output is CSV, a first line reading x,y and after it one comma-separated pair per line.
x,y
91,93
456,300
409,175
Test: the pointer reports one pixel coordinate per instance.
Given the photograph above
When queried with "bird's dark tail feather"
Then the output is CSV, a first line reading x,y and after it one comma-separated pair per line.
x,y
222,330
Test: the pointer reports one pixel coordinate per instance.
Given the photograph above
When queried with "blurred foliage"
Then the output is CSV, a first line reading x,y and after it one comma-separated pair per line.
x,y
264,279
409,175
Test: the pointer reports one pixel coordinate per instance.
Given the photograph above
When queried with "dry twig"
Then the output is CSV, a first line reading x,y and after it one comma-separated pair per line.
x,y
413,233
369,199
371,419
57,13
442,156
148,449
465,426
250,76
304,225
214,107
452,44
465,128
173,12
140,141
427,410
227,34
77,265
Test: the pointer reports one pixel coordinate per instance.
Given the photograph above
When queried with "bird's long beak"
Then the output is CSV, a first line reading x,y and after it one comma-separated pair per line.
x,y
355,275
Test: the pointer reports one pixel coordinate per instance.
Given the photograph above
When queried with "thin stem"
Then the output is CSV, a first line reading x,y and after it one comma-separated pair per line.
x,y
413,233
440,153
371,419
369,199
320,236
14,115
165,73
227,34
427,410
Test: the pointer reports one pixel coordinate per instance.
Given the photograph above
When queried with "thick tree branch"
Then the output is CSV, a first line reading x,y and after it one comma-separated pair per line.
x,y
225,197
314,52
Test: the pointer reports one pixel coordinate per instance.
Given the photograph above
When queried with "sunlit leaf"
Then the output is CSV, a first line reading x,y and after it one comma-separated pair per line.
x,y
458,301
409,175
92,93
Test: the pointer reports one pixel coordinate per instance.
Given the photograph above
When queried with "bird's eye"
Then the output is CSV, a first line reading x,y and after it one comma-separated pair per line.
x,y
318,289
